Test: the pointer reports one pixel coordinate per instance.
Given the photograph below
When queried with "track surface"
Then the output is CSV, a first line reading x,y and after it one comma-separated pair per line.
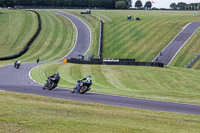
x,y
169,52
83,36
14,80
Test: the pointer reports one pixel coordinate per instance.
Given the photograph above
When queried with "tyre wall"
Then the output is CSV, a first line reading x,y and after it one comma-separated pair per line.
x,y
115,62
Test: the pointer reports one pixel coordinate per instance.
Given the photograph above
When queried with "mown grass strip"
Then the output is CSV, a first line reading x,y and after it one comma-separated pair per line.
x,y
166,84
30,113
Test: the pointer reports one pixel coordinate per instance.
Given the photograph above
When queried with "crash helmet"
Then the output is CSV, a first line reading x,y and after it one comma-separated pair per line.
x,y
57,73
89,76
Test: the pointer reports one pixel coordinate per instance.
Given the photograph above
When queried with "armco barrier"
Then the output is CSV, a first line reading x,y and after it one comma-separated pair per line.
x,y
122,62
25,49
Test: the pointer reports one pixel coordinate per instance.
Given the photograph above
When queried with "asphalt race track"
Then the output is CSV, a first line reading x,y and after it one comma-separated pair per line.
x,y
170,51
83,36
14,80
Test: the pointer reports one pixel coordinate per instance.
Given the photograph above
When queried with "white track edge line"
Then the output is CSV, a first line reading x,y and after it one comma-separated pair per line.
x,y
29,74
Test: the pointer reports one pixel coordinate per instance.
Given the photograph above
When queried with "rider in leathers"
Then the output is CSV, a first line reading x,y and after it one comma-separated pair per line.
x,y
56,76
87,82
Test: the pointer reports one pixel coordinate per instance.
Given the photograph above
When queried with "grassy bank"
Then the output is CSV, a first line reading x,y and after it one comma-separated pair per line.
x,y
16,29
166,84
141,40
29,113
55,41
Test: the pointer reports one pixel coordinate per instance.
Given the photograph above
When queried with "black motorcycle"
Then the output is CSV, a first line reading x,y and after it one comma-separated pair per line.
x,y
51,84
17,65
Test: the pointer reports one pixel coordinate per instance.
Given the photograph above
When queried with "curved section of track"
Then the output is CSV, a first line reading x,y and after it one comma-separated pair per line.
x,y
14,80
83,36
170,51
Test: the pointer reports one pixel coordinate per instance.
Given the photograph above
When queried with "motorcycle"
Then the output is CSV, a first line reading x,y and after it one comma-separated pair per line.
x,y
17,65
50,84
83,87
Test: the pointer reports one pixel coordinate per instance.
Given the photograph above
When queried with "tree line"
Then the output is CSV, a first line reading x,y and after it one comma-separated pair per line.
x,y
107,4
178,6
148,4
185,6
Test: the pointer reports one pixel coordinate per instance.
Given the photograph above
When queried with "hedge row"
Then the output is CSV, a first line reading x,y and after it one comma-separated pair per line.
x,y
25,49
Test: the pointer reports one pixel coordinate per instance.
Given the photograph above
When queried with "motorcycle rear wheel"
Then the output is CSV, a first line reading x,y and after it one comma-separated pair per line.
x,y
83,89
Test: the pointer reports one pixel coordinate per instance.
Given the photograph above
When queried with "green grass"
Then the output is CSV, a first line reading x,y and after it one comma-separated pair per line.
x,y
141,40
16,29
190,50
30,113
166,84
55,41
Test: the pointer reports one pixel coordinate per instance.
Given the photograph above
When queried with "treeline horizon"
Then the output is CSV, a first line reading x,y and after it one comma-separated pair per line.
x,y
107,4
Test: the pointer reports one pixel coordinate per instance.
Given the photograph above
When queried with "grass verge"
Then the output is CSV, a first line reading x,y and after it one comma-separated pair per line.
x,y
30,113
166,84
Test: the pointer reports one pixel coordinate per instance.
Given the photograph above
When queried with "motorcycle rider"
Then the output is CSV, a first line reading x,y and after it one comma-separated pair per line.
x,y
56,76
38,59
87,82
17,63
